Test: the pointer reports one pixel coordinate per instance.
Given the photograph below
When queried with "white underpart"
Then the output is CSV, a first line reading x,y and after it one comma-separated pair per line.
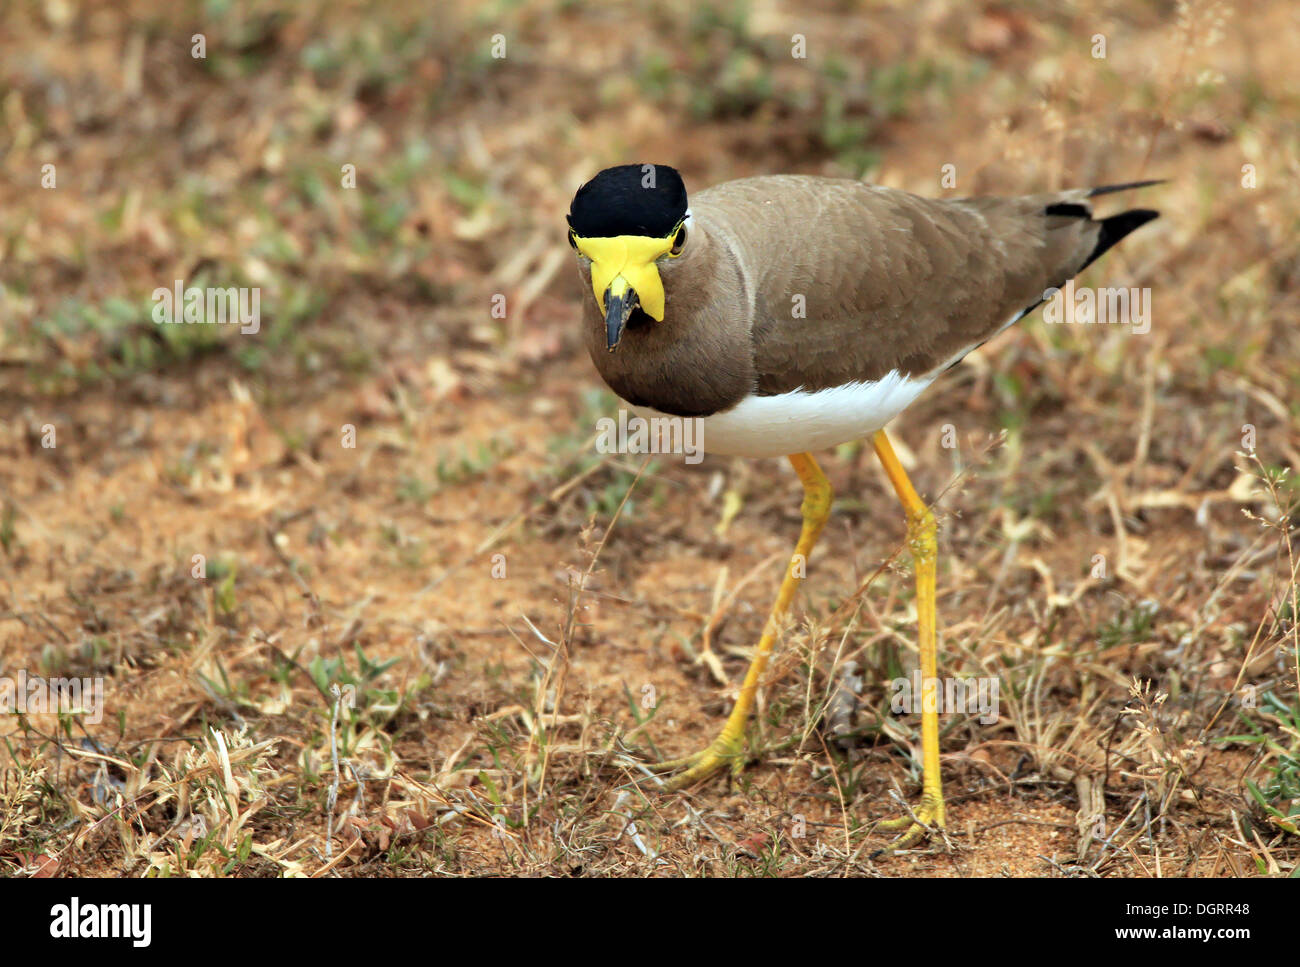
x,y
799,421
773,426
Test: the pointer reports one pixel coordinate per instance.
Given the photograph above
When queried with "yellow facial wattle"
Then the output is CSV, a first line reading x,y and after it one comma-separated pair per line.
x,y
627,261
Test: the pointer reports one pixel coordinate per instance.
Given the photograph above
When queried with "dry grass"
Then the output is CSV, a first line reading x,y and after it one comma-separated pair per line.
x,y
449,648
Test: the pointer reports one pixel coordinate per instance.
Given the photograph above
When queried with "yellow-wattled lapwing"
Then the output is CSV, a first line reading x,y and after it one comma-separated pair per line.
x,y
792,313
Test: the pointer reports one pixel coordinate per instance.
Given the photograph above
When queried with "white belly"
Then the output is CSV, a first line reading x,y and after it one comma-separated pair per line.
x,y
774,426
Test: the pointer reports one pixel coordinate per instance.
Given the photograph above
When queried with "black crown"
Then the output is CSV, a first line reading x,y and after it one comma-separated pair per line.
x,y
629,200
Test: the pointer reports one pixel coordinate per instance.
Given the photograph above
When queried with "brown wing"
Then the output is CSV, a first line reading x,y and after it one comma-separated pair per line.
x,y
851,281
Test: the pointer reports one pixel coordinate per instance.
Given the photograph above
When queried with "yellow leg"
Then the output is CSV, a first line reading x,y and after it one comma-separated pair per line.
x,y
924,547
729,747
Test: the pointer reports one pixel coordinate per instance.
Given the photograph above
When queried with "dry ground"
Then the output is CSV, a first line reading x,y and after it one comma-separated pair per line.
x,y
461,571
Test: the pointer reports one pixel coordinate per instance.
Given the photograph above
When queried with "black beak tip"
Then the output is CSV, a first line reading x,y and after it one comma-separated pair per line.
x,y
618,309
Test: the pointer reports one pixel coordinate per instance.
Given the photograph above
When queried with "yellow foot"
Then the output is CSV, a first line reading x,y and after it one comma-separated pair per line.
x,y
723,752
915,826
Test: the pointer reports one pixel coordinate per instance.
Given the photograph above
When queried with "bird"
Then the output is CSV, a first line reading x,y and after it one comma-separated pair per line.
x,y
793,313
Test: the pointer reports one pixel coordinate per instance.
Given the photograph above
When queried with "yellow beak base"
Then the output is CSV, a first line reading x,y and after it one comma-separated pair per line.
x,y
627,261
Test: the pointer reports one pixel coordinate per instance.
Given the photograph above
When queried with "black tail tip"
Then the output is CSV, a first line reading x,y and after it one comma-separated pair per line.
x,y
1115,228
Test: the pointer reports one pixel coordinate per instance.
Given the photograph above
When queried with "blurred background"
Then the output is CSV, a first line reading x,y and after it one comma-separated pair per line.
x,y
392,488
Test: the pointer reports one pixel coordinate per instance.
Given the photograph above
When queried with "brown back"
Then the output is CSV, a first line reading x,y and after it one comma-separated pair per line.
x,y
890,280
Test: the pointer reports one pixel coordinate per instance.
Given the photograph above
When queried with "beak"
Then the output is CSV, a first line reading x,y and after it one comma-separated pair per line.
x,y
618,308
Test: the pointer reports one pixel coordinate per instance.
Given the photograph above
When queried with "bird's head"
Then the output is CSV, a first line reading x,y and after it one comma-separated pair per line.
x,y
625,224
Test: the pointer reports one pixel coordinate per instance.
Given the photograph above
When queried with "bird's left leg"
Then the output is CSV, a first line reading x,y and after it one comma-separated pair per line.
x,y
729,747
924,546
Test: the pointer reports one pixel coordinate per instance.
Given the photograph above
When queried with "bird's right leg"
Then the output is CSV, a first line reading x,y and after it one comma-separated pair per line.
x,y
728,749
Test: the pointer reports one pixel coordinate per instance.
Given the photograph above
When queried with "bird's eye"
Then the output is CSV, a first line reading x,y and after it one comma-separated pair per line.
x,y
678,242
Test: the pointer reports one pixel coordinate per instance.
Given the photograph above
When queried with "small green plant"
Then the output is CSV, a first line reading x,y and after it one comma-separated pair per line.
x,y
221,576
470,463
604,502
1129,627
414,490
366,707
335,671
7,517
1279,796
